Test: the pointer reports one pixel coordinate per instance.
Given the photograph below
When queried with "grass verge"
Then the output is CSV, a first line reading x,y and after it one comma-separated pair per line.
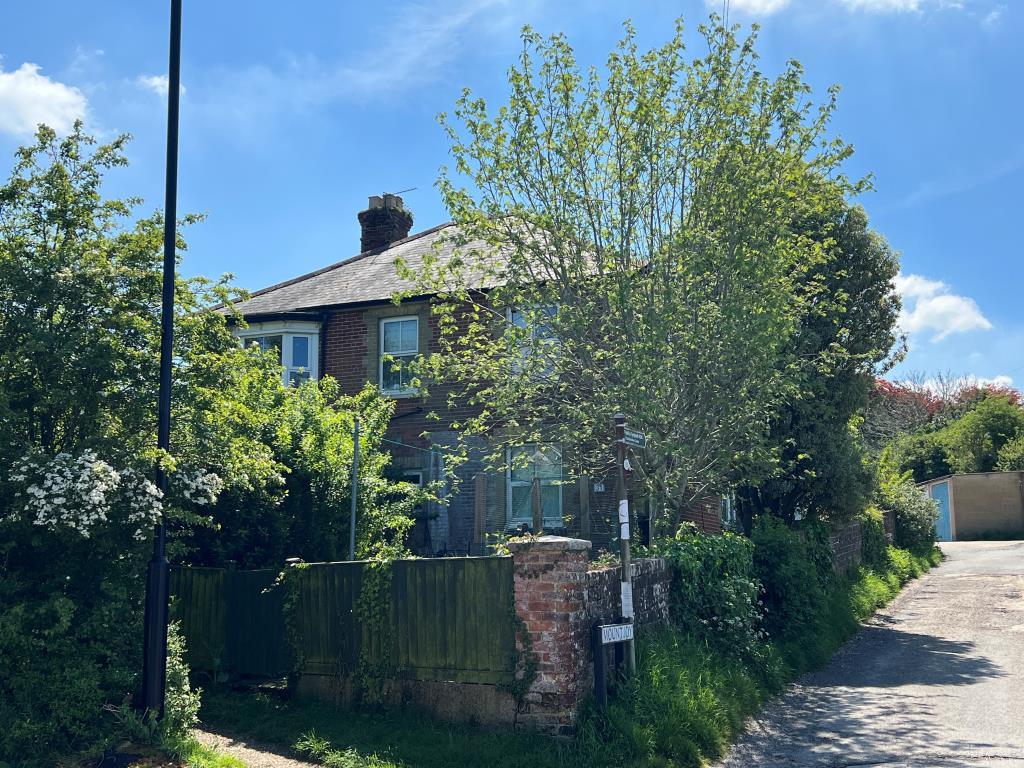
x,y
193,754
688,700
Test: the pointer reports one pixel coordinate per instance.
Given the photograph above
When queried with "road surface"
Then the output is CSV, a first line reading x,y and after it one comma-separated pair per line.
x,y
934,681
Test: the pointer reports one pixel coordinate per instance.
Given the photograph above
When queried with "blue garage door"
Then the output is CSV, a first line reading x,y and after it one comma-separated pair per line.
x,y
944,525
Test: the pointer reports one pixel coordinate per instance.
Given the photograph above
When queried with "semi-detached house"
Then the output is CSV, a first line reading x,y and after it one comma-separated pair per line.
x,y
341,321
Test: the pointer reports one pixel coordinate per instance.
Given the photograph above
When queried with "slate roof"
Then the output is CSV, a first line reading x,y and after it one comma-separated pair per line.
x,y
366,278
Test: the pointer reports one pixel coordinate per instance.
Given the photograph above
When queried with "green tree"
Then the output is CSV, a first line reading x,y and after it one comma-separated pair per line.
x,y
973,442
633,236
79,357
1011,455
844,340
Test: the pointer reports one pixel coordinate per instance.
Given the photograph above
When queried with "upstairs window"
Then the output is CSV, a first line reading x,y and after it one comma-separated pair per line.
x,y
525,463
399,346
294,344
536,338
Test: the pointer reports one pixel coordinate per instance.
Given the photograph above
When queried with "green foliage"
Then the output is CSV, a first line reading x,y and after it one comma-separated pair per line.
x,y
714,595
915,514
845,339
304,512
980,431
873,543
80,288
793,592
922,454
648,208
1011,455
973,441
181,703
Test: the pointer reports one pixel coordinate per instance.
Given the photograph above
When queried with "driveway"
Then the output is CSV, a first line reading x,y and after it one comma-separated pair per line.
x,y
934,681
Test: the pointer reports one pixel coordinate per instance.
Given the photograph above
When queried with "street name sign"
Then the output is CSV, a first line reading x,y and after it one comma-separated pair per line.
x,y
634,438
616,633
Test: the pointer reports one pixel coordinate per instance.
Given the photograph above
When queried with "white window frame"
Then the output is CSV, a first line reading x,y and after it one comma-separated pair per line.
x,y
409,391
534,337
548,522
418,473
727,510
287,330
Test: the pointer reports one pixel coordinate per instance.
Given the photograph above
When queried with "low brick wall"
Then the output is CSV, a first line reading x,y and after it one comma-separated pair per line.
x,y
845,542
651,583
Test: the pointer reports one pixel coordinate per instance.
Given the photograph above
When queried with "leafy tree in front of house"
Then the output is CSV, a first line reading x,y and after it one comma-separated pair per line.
x,y
634,231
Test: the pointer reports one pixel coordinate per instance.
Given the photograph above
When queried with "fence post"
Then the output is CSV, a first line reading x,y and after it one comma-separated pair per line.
x,y
626,577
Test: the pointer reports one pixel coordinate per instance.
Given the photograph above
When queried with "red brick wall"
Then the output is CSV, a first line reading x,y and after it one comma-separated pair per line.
x,y
845,542
558,599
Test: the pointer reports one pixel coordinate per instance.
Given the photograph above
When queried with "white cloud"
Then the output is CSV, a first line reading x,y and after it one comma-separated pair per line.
x,y
991,19
750,6
902,6
930,305
883,6
28,98
158,84
943,386
412,51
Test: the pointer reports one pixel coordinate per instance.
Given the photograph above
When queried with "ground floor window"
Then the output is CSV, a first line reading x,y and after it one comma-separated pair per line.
x,y
526,462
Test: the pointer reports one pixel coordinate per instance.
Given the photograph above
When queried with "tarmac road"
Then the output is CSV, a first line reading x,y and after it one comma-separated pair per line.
x,y
934,681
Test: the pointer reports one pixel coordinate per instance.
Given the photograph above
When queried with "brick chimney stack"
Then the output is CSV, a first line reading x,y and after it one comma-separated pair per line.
x,y
383,222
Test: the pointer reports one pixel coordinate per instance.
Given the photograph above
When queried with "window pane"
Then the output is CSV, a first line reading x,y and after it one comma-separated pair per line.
x,y
396,375
543,461
300,351
392,337
399,336
297,377
551,502
409,336
268,343
521,503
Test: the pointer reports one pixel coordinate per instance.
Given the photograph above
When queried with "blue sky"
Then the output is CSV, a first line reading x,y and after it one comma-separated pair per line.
x,y
293,113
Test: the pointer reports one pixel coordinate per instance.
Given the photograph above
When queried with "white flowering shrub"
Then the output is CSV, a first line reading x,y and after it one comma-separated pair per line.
x,y
83,493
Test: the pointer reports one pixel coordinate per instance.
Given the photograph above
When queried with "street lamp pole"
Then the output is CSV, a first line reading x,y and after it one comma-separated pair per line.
x,y
154,671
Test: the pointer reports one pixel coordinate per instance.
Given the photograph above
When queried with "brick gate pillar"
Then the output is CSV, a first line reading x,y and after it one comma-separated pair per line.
x,y
549,579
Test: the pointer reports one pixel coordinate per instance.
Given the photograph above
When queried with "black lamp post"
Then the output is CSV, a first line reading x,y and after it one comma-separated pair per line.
x,y
154,671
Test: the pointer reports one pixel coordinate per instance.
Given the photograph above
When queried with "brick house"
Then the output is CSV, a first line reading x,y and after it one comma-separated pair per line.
x,y
341,321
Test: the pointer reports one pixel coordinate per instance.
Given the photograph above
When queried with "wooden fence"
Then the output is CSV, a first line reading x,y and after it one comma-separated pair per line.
x,y
232,622
446,619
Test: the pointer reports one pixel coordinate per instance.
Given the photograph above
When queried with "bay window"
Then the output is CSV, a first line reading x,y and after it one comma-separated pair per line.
x,y
295,343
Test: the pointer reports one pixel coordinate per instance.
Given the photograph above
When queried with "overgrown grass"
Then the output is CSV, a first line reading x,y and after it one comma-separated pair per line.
x,y
193,754
688,700
375,739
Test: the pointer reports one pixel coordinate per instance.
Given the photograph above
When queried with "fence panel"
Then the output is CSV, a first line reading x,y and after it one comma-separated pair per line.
x,y
232,623
447,619
199,603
